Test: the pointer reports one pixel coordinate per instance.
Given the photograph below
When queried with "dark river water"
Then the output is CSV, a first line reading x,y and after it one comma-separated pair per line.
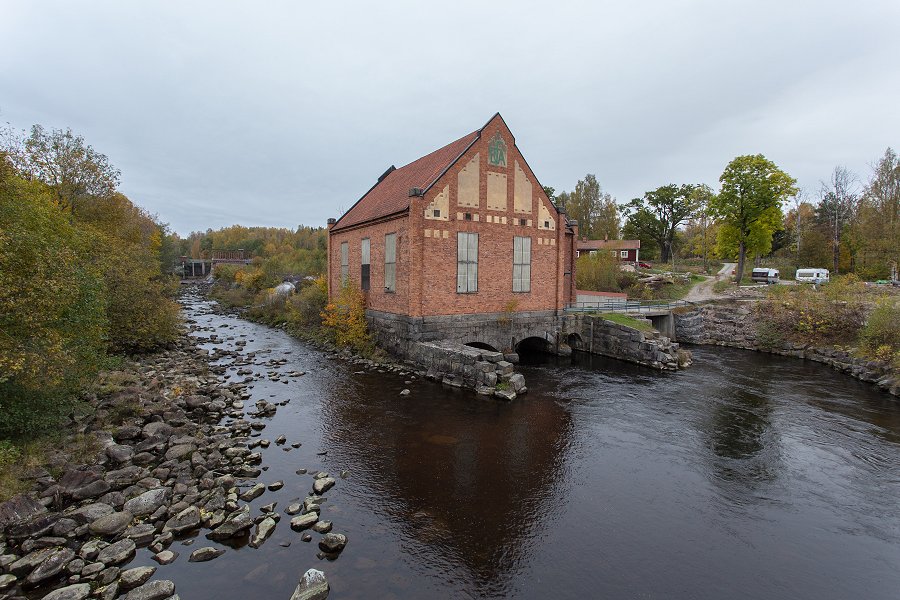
x,y
744,476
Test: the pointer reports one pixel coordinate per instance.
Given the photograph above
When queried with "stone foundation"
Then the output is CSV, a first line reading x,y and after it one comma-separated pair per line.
x,y
487,372
599,336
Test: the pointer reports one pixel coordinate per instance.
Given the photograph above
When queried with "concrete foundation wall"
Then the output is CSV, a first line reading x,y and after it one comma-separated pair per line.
x,y
599,336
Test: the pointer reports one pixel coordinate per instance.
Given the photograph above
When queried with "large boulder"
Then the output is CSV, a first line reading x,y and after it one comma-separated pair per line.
x,y
111,524
187,519
313,586
148,502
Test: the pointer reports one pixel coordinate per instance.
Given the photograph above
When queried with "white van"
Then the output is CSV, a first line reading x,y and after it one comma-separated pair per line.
x,y
812,275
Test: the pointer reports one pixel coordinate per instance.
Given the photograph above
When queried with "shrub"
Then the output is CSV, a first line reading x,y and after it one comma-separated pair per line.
x,y
880,338
306,306
344,320
598,272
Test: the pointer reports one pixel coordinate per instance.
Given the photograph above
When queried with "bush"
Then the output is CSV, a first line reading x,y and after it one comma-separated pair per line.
x,y
344,320
598,272
306,306
880,338
833,315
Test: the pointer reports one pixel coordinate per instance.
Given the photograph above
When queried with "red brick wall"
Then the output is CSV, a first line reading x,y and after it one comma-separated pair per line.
x,y
378,299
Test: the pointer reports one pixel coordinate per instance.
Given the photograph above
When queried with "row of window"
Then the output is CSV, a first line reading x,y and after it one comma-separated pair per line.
x,y
621,253
466,263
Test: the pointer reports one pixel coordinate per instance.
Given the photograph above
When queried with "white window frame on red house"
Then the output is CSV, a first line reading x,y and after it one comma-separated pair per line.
x,y
623,253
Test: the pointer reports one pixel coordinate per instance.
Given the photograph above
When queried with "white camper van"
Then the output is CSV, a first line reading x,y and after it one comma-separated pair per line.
x,y
765,275
811,275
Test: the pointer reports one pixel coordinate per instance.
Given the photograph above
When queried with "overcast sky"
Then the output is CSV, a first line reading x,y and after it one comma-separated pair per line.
x,y
282,114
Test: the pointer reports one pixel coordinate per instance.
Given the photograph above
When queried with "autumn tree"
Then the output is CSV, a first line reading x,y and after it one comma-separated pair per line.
x,y
878,217
837,207
71,168
661,212
595,210
753,188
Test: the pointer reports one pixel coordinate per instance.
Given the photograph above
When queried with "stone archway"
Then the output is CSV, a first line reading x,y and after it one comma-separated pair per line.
x,y
481,346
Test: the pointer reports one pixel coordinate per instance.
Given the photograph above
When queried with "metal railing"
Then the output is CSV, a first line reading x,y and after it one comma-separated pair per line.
x,y
627,306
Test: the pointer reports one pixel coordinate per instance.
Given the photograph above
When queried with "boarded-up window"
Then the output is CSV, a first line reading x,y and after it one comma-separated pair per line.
x,y
521,264
466,263
345,262
390,262
365,265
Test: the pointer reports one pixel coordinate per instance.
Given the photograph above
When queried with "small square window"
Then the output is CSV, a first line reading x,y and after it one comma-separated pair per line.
x,y
546,224
623,253
468,216
437,212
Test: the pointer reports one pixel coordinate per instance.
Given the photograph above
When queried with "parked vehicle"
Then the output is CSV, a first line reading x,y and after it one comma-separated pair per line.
x,y
644,265
765,275
812,275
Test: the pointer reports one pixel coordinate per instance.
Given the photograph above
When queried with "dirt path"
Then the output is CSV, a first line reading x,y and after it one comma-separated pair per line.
x,y
704,290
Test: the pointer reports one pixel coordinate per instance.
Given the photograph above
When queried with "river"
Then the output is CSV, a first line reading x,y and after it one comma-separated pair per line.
x,y
744,476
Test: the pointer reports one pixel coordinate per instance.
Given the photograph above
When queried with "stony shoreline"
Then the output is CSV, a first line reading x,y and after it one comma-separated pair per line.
x,y
182,460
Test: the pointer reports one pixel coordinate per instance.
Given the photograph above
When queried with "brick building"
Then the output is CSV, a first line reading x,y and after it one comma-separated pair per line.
x,y
464,230
624,250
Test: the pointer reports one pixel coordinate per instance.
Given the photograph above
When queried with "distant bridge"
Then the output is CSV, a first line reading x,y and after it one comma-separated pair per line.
x,y
201,267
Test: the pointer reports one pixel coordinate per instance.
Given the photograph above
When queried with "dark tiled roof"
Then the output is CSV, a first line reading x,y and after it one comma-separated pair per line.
x,y
391,195
608,244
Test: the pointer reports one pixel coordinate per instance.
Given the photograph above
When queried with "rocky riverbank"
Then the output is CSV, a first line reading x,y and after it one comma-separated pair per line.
x,y
176,455
734,324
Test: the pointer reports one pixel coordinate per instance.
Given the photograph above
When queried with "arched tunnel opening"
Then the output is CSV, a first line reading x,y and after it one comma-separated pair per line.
x,y
534,350
481,346
575,342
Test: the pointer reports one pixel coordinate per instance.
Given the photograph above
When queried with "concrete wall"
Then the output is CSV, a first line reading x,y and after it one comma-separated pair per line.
x,y
734,324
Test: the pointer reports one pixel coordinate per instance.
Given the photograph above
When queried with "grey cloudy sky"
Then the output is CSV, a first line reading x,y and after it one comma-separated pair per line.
x,y
282,113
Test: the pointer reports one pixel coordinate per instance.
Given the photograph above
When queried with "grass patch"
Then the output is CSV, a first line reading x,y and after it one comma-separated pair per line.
x,y
628,321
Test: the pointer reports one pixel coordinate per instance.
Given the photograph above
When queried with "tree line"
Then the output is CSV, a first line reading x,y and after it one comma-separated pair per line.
x,y
758,212
81,274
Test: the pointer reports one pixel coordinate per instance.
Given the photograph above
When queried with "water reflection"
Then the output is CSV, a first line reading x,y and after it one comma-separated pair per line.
x,y
468,476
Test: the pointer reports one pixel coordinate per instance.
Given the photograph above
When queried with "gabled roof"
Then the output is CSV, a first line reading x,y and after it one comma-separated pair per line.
x,y
608,244
391,194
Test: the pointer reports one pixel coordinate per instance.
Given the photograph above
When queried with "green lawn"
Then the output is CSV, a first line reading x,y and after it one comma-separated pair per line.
x,y
628,321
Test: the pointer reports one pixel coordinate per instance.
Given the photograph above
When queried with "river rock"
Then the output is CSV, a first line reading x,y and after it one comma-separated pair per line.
x,y
29,562
159,589
253,493
148,502
92,490
265,528
91,512
322,527
79,591
180,451
304,521
274,487
50,567
117,553
313,586
134,577
293,508
165,557
7,581
206,553
120,453
187,519
320,486
111,524
333,543
157,429
235,524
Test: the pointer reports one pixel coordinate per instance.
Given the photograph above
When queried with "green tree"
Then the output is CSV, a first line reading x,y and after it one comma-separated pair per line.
x,y
74,170
595,210
52,319
660,212
752,186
